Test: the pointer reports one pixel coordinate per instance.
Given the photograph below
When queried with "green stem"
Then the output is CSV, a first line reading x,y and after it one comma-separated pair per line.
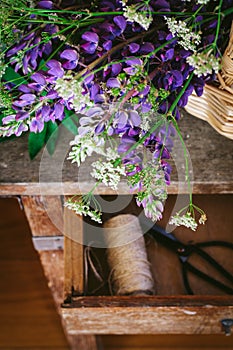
x,y
184,88
219,24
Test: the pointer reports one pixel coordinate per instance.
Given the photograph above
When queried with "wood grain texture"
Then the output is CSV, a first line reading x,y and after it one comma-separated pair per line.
x,y
211,157
146,320
73,254
83,342
44,214
149,301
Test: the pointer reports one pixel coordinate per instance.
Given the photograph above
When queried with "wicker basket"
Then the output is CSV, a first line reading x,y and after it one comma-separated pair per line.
x,y
216,104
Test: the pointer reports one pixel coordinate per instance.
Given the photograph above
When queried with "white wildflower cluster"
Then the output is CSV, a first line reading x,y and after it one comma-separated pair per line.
x,y
109,172
85,145
184,220
186,37
199,2
202,219
138,14
204,63
71,89
81,207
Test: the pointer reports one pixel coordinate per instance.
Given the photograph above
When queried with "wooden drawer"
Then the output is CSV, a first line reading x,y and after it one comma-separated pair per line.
x,y
171,310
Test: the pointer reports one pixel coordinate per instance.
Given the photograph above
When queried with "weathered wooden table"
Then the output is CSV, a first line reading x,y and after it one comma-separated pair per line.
x,y
57,233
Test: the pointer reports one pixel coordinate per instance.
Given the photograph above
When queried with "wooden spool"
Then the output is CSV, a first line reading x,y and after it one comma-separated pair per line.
x,y
127,256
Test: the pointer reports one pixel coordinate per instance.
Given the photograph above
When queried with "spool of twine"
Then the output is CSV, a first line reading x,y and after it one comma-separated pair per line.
x,y
127,257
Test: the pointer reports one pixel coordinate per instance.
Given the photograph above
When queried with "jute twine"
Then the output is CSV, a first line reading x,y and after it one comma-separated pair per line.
x,y
127,257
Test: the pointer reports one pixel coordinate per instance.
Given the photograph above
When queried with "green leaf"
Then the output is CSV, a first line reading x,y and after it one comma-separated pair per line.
x,y
36,141
11,76
52,134
69,123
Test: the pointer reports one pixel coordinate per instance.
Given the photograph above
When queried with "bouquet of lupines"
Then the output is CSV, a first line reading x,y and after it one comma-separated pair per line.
x,y
119,70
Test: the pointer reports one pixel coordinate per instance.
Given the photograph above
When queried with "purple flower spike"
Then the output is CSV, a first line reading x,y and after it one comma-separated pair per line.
x,y
24,88
91,37
71,57
107,45
28,97
58,110
89,47
15,49
134,61
22,127
8,119
146,48
45,4
45,111
36,125
116,68
92,42
113,83
52,94
134,47
120,22
38,78
134,118
55,68
21,116
122,119
21,103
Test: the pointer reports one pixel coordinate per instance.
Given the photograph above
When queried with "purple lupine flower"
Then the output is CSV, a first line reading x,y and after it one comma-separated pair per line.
x,y
113,83
107,45
45,112
121,24
9,118
166,167
45,4
15,49
91,44
21,116
126,119
59,110
172,80
70,57
39,78
116,68
21,128
133,47
24,88
56,69
146,48
37,125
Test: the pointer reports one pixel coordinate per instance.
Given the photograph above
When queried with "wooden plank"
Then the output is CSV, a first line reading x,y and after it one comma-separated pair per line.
x,y
83,342
204,319
69,188
211,156
44,214
148,301
73,254
37,210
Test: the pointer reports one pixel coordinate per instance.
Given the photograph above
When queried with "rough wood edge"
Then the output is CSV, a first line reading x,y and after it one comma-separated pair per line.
x,y
73,254
149,301
69,188
146,320
37,209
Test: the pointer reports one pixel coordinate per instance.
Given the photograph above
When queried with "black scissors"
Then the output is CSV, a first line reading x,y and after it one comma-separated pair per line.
x,y
184,251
